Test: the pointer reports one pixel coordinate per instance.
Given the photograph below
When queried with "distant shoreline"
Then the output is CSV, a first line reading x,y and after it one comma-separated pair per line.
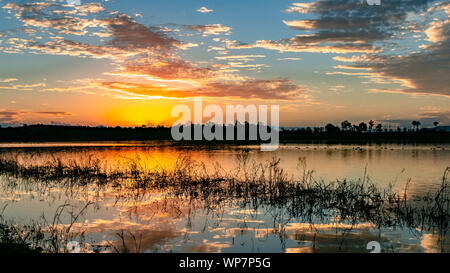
x,y
64,134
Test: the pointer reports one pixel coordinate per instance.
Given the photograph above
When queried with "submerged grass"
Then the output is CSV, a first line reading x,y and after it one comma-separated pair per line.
x,y
49,236
252,185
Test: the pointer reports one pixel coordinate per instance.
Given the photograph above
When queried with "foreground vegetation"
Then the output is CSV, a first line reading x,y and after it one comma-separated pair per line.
x,y
249,185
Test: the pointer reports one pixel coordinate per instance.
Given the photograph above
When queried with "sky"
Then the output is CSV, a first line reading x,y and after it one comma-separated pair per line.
x,y
128,63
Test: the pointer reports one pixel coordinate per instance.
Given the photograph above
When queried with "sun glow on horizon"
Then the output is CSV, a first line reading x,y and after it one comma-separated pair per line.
x,y
155,113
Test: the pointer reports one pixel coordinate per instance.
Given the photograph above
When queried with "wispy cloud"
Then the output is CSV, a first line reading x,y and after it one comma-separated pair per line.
x,y
8,80
22,87
289,59
11,116
293,45
204,10
206,30
280,89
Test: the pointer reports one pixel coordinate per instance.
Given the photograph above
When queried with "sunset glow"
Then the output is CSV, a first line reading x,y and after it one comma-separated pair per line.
x,y
128,63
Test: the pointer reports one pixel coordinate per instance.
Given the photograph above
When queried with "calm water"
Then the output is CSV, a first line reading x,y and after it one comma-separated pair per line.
x,y
157,222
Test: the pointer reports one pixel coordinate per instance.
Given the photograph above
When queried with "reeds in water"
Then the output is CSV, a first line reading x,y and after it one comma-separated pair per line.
x,y
254,185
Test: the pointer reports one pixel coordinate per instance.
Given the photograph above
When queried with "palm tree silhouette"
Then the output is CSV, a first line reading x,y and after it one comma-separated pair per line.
x,y
416,124
371,124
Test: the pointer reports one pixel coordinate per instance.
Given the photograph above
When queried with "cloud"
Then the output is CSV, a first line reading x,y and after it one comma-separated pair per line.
x,y
280,89
350,26
22,87
148,90
300,7
71,48
150,53
329,23
186,46
444,6
437,31
348,59
8,116
293,45
204,10
11,116
289,59
136,47
243,65
64,19
89,8
426,118
133,45
127,34
168,69
343,26
128,37
355,20
308,44
424,72
214,29
356,36
53,113
8,80
240,57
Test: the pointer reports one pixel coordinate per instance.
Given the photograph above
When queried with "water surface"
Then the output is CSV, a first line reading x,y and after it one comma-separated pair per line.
x,y
154,221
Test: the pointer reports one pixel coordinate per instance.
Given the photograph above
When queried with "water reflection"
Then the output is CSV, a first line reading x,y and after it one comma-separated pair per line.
x,y
124,218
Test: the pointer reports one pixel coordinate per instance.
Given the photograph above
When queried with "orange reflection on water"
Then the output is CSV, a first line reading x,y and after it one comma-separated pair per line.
x,y
152,220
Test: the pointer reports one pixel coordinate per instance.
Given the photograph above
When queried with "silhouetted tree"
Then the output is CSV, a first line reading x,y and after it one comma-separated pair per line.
x,y
346,125
362,127
379,128
436,123
371,124
416,124
330,128
318,129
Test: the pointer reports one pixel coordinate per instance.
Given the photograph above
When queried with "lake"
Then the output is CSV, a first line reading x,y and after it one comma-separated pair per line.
x,y
113,217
